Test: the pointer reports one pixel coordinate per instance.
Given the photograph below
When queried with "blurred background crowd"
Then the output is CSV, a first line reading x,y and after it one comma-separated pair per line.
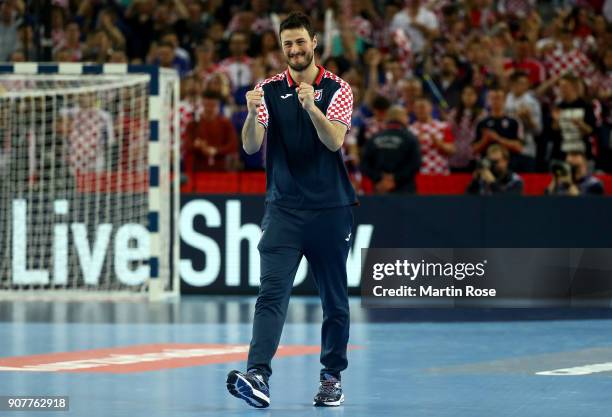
x,y
497,89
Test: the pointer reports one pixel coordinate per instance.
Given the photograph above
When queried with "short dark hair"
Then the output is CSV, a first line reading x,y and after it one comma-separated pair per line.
x,y
517,75
381,103
452,57
496,87
210,94
297,20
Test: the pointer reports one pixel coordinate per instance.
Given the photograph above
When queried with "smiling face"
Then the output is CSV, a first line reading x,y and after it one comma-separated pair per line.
x,y
298,48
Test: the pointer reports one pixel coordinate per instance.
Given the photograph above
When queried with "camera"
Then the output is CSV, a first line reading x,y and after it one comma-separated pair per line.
x,y
482,164
560,168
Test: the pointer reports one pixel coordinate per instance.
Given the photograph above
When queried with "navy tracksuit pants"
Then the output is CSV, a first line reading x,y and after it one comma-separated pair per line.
x,y
323,236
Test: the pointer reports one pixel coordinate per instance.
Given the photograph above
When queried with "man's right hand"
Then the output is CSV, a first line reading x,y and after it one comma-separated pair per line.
x,y
487,176
254,99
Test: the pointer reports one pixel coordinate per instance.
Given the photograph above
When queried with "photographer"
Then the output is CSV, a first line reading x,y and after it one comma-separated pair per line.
x,y
571,177
492,175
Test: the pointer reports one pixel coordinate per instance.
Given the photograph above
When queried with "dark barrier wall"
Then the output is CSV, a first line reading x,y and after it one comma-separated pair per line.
x,y
219,234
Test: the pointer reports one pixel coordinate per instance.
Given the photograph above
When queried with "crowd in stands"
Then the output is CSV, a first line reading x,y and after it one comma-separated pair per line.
x,y
494,88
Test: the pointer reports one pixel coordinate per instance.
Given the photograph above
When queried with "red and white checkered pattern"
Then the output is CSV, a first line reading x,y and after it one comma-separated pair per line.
x,y
362,27
88,129
341,105
189,112
260,24
519,8
559,62
404,49
433,161
262,113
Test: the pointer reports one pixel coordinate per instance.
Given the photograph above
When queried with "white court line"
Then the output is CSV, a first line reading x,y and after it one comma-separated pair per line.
x,y
579,370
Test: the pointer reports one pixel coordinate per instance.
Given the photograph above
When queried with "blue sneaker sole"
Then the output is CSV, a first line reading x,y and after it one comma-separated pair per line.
x,y
239,387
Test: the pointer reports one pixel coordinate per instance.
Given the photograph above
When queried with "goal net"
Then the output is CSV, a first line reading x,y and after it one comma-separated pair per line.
x,y
88,181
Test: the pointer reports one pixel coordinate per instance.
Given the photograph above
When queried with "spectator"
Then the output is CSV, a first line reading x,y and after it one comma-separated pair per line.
x,y
255,20
498,127
418,22
516,9
25,40
132,133
169,16
566,58
391,159
205,65
446,87
462,121
524,60
58,22
393,72
345,38
181,55
483,60
195,26
271,53
9,22
107,21
72,42
573,120
97,48
493,175
139,20
603,92
212,140
90,133
411,89
523,106
238,65
164,55
219,84
572,178
435,138
481,14
375,123
456,53
350,147
190,107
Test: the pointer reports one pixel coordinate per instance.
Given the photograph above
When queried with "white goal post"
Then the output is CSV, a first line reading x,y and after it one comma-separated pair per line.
x,y
89,181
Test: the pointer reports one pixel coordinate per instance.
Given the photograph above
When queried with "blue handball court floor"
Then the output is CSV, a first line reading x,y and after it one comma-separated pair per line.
x,y
170,359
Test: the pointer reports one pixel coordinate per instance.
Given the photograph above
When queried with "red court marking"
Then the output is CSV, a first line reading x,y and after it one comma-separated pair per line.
x,y
140,358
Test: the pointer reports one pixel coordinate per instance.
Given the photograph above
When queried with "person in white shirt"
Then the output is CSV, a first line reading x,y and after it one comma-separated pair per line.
x,y
9,22
418,22
523,106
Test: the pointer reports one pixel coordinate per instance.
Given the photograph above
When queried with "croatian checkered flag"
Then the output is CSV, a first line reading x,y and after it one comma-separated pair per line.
x,y
404,49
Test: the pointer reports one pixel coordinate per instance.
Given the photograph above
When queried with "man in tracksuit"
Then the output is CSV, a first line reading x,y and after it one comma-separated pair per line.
x,y
305,113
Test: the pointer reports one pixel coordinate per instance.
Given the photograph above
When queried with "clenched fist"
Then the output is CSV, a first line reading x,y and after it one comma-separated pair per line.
x,y
306,95
253,99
